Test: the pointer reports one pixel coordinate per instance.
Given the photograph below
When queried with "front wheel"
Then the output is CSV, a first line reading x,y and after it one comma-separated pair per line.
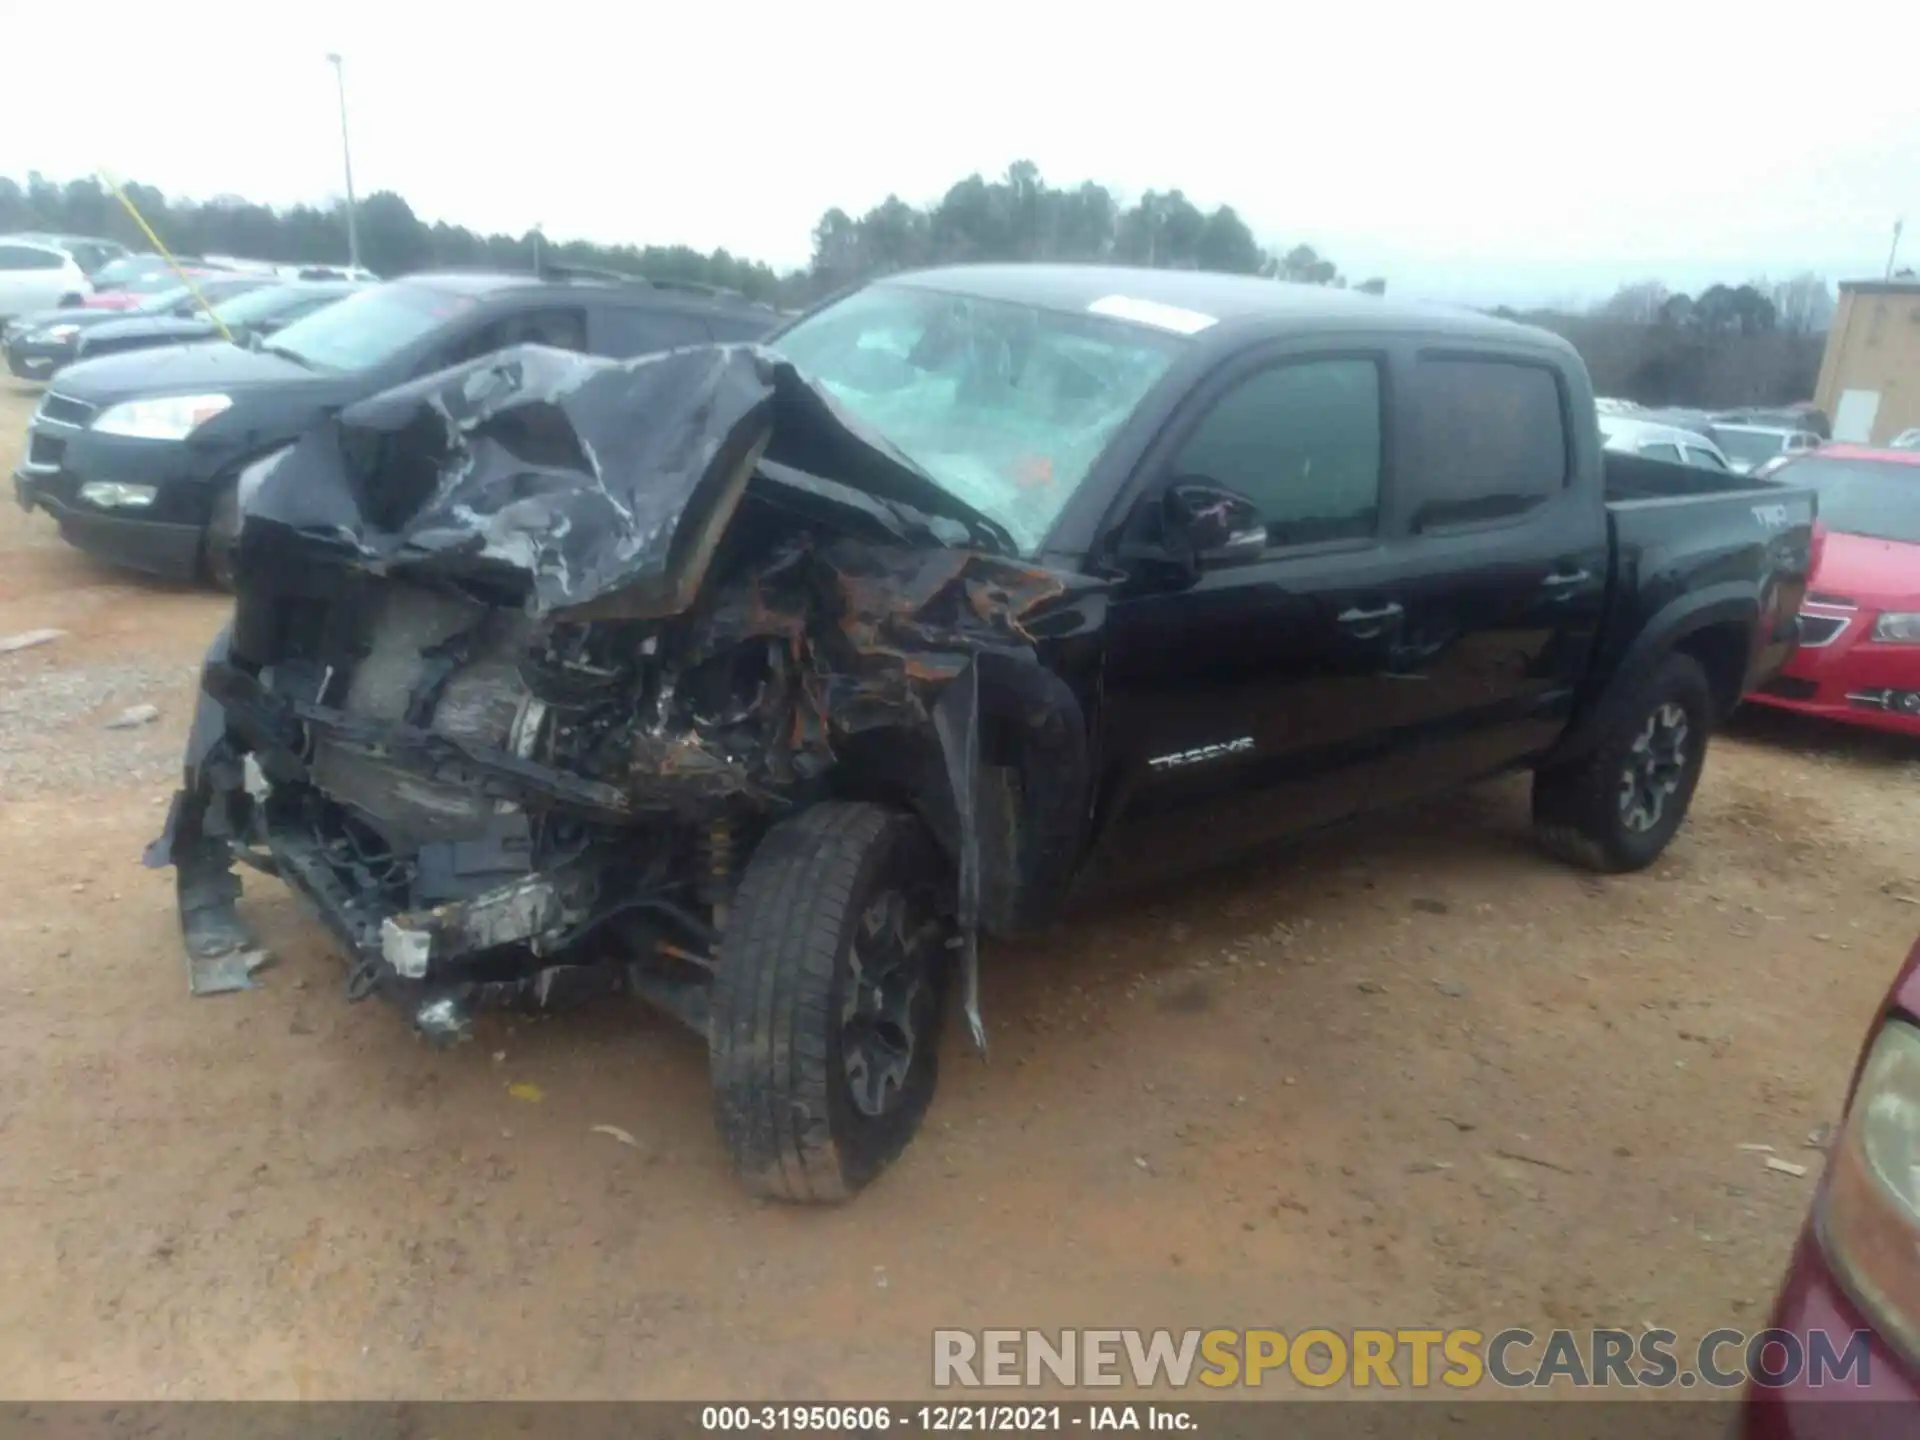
x,y
824,1023
1618,807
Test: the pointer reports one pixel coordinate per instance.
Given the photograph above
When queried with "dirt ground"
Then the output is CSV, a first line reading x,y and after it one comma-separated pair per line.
x,y
1413,1074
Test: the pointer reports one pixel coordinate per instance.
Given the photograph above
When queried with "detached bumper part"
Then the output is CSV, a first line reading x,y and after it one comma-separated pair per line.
x,y
406,950
222,954
536,911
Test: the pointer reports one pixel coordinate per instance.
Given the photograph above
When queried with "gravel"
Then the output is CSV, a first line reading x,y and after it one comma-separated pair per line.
x,y
51,735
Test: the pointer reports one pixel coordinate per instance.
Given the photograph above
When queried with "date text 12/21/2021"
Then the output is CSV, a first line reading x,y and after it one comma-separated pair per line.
x,y
944,1419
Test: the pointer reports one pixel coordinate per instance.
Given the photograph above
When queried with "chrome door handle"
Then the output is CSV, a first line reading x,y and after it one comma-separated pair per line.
x,y
1576,578
1361,617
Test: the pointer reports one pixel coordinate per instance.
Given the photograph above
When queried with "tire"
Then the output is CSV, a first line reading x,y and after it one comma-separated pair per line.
x,y
814,1094
1617,808
223,533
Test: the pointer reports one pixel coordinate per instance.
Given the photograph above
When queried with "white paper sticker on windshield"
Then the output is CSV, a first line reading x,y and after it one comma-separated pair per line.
x,y
1152,312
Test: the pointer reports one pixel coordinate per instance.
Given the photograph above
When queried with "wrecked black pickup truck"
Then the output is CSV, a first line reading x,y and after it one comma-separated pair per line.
x,y
761,682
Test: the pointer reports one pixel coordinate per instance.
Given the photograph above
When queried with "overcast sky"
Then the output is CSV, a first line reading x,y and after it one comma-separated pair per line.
x,y
1466,151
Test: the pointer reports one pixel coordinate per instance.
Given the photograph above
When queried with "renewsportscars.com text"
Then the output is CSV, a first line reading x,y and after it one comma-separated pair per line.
x,y
1389,1359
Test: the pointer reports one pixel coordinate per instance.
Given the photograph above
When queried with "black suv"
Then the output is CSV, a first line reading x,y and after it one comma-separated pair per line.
x,y
136,456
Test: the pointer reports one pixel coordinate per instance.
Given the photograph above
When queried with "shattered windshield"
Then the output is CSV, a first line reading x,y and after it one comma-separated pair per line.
x,y
1005,406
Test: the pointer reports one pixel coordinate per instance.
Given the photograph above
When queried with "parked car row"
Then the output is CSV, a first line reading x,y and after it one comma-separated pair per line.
x,y
39,271
1743,440
1629,435
38,347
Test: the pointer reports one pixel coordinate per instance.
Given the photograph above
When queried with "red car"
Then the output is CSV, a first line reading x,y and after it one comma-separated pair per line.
x,y
1853,1285
143,287
1859,655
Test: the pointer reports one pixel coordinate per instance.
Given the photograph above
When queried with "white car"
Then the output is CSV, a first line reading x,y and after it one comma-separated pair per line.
x,y
38,275
1626,436
1906,440
1751,446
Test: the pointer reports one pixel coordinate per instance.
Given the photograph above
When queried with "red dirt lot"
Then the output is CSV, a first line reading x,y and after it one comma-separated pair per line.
x,y
1412,1074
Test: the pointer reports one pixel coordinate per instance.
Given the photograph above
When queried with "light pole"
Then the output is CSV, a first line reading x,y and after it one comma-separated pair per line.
x,y
346,159
1893,250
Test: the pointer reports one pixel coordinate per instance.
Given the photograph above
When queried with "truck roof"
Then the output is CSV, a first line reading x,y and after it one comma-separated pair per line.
x,y
1202,293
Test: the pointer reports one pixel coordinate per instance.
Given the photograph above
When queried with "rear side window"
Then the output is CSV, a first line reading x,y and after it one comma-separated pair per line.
x,y
1491,439
28,257
624,331
1705,459
1661,450
1302,441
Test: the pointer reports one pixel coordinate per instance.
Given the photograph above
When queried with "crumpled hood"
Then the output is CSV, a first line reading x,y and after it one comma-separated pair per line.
x,y
603,484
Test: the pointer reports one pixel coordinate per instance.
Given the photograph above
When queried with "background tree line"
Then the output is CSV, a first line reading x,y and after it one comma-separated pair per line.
x,y
1016,217
1756,343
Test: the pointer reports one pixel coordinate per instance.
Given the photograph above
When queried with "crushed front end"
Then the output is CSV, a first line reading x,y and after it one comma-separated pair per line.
x,y
526,656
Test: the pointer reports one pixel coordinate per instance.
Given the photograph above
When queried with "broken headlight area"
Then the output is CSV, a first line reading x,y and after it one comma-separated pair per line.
x,y
525,659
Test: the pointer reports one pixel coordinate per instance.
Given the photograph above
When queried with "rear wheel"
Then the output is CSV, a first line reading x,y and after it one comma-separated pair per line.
x,y
223,535
825,1017
1619,807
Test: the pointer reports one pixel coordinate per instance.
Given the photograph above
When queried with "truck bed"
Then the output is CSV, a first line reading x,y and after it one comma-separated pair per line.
x,y
1630,478
1680,532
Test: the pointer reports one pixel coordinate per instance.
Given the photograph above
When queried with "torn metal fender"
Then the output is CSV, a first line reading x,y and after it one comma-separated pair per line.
x,y
956,721
1011,874
1042,717
222,954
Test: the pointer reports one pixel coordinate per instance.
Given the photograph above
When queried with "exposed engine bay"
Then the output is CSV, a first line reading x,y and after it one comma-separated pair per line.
x,y
527,656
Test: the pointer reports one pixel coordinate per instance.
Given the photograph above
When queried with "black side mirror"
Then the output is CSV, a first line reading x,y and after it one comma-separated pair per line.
x,y
1212,525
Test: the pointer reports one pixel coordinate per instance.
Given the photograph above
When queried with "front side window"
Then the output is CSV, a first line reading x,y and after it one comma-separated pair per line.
x,y
1491,438
1705,459
629,330
1661,450
1002,404
1302,441
562,327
